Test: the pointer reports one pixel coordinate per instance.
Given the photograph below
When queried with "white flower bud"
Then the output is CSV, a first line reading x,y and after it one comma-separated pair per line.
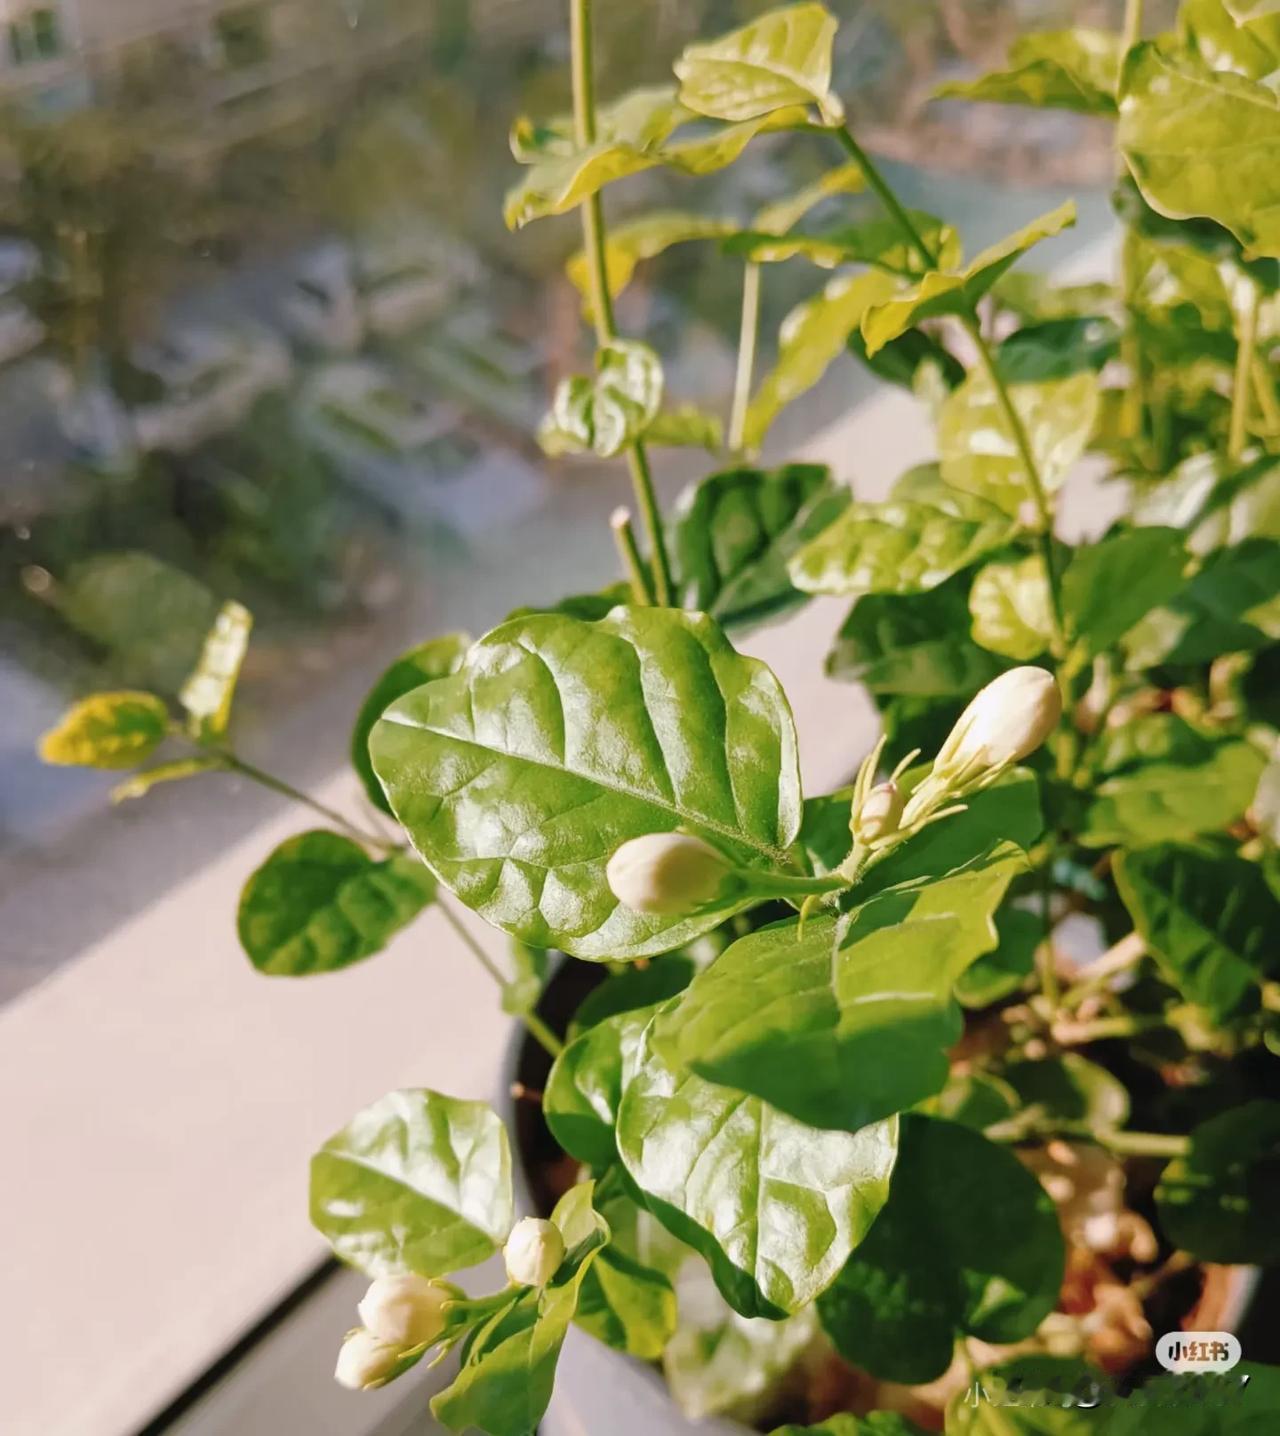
x,y
364,1361
666,873
1006,721
533,1252
405,1310
880,813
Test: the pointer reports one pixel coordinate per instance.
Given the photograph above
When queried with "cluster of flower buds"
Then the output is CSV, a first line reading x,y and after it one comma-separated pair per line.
x,y
399,1314
533,1252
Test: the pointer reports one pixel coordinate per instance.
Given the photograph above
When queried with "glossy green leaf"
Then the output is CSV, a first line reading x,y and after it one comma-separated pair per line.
x,y
586,1083
1210,921
773,1242
1011,609
320,903
781,58
139,784
1108,586
588,606
436,658
629,988
107,730
812,336
504,1385
644,238
1219,1202
1068,1094
1231,605
877,241
968,1244
958,290
900,545
978,451
842,1026
998,974
1249,46
609,411
208,693
734,532
627,1305
1203,142
784,214
518,777
1055,70
686,426
913,644
417,1182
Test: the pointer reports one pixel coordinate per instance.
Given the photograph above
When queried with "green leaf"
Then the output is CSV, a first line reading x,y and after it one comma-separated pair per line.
x,y
998,974
1011,609
417,1182
508,1371
1039,1396
436,658
913,644
958,290
107,730
1068,1094
1108,586
875,1423
586,1084
973,1099
812,336
909,358
142,782
734,532
1053,70
1231,605
784,214
1203,143
1219,1202
968,1243
1209,920
588,606
686,426
1264,811
522,993
209,690
1249,46
643,985
900,545
978,452
708,152
877,241
642,117
320,903
606,413
644,238
846,1024
625,1303
774,1241
1058,348
782,58
518,777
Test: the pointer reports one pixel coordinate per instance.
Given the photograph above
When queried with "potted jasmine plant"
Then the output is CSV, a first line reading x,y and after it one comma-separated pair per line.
x,y
825,1123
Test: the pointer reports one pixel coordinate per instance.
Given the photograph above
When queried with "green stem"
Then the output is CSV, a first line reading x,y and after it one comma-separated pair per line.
x,y
1268,402
1246,337
784,885
886,195
1142,1144
746,356
534,1025
1132,32
642,485
624,538
264,779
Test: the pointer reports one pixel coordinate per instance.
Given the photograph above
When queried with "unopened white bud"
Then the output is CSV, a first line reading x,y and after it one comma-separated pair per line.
x,y
365,1361
405,1310
533,1252
1006,721
666,873
880,813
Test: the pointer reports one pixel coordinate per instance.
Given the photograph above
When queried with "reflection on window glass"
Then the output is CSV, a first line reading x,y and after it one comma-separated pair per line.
x,y
263,335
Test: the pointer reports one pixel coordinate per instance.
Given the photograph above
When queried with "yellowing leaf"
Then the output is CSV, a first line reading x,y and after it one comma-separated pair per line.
x,y
645,238
1059,70
108,730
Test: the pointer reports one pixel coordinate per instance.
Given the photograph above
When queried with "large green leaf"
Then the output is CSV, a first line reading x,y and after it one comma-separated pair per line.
x,y
107,730
978,451
586,1084
781,58
505,1383
812,336
735,531
1219,1202
958,290
913,644
1231,605
210,687
1055,70
320,903
644,238
968,1244
1202,142
436,658
848,1023
417,1182
775,1206
1210,920
1108,586
1011,608
518,777
900,545
1249,46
